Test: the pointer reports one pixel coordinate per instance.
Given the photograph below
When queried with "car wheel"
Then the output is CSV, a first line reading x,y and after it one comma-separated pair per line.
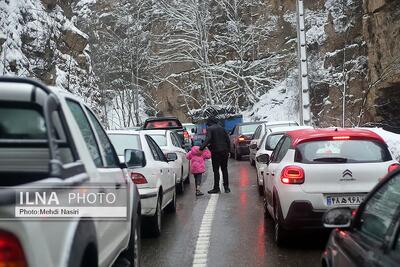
x,y
181,185
132,254
172,205
280,234
252,162
187,180
155,220
260,188
84,246
237,156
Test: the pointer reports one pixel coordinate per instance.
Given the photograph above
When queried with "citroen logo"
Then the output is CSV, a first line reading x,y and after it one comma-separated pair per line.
x,y
347,173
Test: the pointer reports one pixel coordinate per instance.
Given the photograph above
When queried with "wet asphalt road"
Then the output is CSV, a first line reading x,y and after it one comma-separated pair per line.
x,y
240,234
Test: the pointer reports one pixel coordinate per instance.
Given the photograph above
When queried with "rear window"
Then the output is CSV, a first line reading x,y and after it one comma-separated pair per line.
x,y
248,128
161,140
22,122
342,151
163,124
272,141
125,141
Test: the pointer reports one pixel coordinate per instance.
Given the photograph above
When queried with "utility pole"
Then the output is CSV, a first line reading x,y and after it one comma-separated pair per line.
x,y
304,95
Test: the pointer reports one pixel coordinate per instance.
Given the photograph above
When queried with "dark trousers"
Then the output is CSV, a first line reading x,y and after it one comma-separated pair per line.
x,y
220,160
197,178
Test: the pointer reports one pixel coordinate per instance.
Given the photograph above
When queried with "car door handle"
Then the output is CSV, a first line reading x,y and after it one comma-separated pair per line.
x,y
267,173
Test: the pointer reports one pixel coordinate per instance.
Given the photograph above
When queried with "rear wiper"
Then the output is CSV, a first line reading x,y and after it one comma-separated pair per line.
x,y
332,159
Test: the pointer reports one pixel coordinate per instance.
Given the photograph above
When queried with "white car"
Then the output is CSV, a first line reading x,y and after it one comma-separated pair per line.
x,y
191,129
152,172
51,141
313,170
259,133
266,146
169,142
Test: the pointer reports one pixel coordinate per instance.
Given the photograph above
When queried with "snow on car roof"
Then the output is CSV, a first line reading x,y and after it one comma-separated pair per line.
x,y
305,135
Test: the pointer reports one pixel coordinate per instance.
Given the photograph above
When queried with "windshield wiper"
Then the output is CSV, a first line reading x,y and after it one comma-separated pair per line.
x,y
332,159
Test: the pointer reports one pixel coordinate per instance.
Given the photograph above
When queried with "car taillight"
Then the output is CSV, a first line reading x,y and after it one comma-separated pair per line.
x,y
341,137
292,175
185,134
242,138
11,253
138,178
393,167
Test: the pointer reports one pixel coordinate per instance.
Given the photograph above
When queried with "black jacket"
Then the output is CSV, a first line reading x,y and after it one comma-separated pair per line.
x,y
217,139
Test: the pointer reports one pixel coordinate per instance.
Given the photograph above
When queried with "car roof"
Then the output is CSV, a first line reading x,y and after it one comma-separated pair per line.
x,y
283,129
250,122
135,132
161,118
154,132
307,135
280,122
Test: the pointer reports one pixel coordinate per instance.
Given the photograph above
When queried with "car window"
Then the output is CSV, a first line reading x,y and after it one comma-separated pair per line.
x,y
342,151
380,210
175,140
163,124
283,150
153,150
272,141
22,122
157,150
256,134
160,139
108,149
86,131
125,141
276,150
248,128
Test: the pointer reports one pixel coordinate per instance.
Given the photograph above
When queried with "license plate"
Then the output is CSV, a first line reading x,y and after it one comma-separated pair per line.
x,y
344,200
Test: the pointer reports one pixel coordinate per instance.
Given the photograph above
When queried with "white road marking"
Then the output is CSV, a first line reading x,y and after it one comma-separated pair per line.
x,y
203,240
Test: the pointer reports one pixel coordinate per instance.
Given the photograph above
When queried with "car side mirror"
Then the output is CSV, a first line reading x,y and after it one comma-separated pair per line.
x,y
263,158
253,146
337,218
171,157
134,158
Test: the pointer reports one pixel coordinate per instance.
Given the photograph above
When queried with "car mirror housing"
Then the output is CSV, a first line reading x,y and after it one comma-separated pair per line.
x,y
171,157
264,158
253,146
134,158
337,218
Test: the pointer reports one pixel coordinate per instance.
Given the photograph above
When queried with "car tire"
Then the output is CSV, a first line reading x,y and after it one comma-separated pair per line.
x,y
156,220
252,162
132,254
84,246
187,180
237,156
181,186
259,187
280,234
171,208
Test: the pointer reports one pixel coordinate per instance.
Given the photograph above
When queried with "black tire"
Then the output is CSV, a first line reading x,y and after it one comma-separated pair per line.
x,y
132,254
171,208
84,246
187,180
259,187
280,234
237,156
181,186
155,222
252,162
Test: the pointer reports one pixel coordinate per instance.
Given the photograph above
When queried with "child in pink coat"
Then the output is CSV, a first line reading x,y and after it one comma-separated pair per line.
x,y
197,165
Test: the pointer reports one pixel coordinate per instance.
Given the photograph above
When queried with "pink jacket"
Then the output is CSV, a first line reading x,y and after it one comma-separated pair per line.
x,y
197,159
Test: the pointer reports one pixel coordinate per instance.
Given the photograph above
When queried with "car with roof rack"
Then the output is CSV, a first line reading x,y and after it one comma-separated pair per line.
x,y
313,170
51,142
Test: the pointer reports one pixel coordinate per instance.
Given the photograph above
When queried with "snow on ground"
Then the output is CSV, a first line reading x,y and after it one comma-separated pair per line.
x,y
278,104
392,139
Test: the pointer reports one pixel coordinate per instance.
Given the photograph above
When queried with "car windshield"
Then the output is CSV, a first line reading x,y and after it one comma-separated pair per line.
x,y
25,122
163,124
189,127
161,140
125,141
248,128
272,141
342,151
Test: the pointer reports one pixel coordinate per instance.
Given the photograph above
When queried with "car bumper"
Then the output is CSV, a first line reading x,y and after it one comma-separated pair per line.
x,y
243,150
302,215
148,199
